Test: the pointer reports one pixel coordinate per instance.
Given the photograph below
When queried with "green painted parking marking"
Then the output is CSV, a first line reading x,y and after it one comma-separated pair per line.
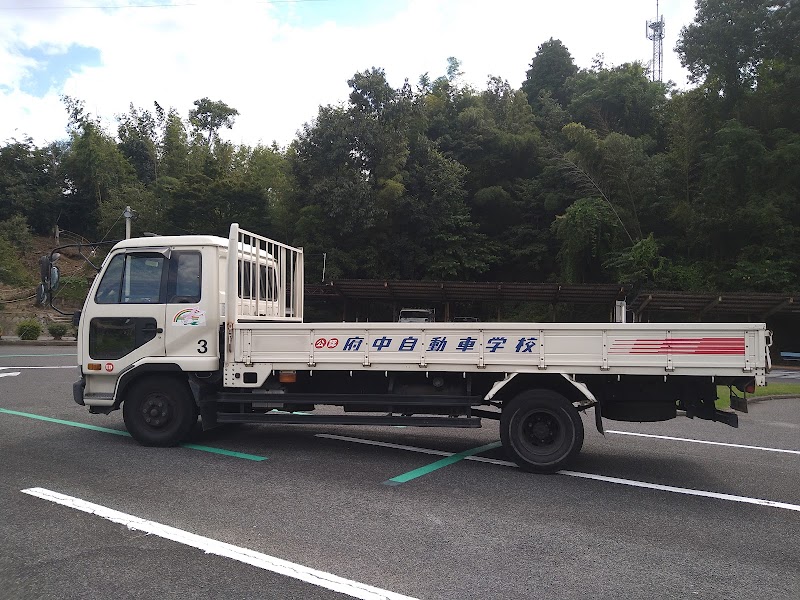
x,y
224,452
126,434
448,460
61,422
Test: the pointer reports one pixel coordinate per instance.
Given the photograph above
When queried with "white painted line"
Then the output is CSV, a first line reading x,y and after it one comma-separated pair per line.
x,y
211,546
693,441
687,491
604,478
344,438
13,374
59,367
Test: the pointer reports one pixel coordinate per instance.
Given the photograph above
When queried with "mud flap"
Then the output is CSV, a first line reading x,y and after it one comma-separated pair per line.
x,y
598,419
738,403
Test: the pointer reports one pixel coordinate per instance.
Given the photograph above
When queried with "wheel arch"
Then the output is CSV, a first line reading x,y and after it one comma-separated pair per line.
x,y
574,391
134,374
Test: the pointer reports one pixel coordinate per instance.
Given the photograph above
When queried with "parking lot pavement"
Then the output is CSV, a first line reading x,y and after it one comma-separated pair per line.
x,y
663,513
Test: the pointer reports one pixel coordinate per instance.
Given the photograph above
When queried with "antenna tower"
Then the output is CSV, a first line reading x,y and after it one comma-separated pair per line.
x,y
655,32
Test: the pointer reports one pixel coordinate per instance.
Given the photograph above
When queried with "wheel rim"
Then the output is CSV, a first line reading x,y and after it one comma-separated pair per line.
x,y
541,433
157,411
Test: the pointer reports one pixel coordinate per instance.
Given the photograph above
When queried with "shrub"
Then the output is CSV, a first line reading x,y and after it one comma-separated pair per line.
x,y
17,232
12,271
57,330
72,289
29,329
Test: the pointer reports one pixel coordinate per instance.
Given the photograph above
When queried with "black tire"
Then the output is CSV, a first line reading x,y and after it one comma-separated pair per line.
x,y
159,411
541,430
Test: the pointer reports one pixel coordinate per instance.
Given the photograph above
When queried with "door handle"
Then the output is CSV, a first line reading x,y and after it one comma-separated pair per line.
x,y
152,329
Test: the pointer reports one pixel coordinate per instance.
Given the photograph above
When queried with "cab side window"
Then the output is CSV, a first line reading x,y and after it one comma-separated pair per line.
x,y
132,279
185,278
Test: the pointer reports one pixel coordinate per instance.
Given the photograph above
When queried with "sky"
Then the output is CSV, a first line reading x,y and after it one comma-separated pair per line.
x,y
277,61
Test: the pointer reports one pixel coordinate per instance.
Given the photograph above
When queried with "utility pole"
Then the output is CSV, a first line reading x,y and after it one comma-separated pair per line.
x,y
128,214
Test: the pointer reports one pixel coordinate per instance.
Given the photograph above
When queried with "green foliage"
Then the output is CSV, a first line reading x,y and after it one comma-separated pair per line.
x,y
621,99
12,271
57,330
72,289
209,116
16,231
728,41
550,69
592,175
29,329
588,231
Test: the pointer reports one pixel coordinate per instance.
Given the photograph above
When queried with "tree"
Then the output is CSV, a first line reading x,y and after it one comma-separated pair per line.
x,y
728,40
620,99
588,231
95,169
210,116
174,147
30,183
137,142
551,67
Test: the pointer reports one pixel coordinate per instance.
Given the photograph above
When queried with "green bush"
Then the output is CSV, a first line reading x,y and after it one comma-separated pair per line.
x,y
72,289
12,271
29,329
17,232
57,330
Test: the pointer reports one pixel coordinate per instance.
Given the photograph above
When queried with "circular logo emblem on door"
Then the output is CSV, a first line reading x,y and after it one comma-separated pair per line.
x,y
109,367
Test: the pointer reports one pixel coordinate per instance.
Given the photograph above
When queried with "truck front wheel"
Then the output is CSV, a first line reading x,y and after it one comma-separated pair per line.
x,y
541,430
159,411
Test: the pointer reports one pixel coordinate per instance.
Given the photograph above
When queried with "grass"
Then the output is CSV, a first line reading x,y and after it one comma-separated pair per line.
x,y
773,389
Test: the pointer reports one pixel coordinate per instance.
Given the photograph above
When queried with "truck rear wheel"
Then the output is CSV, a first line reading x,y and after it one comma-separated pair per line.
x,y
541,430
159,411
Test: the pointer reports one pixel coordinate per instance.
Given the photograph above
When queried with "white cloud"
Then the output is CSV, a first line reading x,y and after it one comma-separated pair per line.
x,y
276,72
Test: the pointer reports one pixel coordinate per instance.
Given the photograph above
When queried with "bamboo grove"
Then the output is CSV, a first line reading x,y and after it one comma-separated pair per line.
x,y
577,175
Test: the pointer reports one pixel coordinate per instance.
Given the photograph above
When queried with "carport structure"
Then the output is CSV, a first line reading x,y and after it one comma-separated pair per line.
x,y
652,305
685,306
400,293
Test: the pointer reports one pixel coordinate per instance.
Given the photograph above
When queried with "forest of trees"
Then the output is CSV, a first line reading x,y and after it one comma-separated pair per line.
x,y
578,175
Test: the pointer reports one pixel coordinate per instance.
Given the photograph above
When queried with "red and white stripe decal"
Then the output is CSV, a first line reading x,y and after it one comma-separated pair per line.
x,y
706,345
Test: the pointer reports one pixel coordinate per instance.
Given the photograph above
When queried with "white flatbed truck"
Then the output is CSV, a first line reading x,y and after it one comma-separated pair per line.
x,y
181,326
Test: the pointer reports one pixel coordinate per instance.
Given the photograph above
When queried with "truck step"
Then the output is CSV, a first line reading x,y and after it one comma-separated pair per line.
x,y
305,419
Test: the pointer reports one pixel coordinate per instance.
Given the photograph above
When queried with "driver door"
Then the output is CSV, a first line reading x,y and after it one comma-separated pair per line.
x,y
128,311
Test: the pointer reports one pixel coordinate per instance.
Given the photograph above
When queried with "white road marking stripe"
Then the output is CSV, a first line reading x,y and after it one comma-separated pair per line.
x,y
59,367
693,441
687,491
211,546
9,374
344,438
604,478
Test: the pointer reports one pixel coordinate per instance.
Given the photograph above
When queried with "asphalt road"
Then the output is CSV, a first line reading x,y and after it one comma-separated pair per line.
x,y
660,518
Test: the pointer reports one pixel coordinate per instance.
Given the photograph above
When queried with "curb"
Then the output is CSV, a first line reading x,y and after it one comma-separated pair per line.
x,y
757,399
11,341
